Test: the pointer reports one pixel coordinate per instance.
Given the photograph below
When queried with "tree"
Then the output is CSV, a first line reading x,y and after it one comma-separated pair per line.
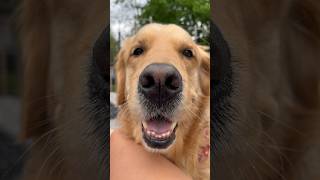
x,y
114,47
194,16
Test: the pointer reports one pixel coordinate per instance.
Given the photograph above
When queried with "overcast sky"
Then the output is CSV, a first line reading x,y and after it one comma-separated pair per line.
x,y
122,18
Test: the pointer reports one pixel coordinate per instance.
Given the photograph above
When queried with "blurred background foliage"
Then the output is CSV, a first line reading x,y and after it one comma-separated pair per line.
x,y
194,16
113,46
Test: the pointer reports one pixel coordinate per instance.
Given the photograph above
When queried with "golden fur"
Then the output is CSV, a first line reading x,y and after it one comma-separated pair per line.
x,y
164,44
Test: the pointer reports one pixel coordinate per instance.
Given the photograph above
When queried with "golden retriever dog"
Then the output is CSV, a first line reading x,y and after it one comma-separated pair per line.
x,y
163,94
266,93
65,89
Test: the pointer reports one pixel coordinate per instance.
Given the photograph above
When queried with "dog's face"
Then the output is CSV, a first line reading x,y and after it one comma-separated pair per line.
x,y
161,75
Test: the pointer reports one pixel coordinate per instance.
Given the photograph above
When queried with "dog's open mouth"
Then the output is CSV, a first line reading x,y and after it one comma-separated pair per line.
x,y
159,132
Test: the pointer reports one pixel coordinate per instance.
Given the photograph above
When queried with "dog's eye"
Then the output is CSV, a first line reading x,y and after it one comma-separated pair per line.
x,y
137,51
188,53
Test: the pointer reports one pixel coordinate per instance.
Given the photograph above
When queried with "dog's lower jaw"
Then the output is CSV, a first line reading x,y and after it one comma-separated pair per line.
x,y
163,151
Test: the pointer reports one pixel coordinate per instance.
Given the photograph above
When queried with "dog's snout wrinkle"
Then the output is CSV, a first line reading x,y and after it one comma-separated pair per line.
x,y
160,83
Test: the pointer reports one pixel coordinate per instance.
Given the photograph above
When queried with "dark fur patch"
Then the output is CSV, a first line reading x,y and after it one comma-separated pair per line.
x,y
98,94
221,87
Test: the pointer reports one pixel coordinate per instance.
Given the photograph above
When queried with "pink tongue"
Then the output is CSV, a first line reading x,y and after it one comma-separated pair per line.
x,y
158,126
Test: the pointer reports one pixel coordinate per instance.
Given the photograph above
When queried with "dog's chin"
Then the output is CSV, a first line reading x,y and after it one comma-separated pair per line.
x,y
158,133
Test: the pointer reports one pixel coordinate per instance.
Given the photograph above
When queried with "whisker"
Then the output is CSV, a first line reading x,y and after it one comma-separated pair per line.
x,y
55,150
281,123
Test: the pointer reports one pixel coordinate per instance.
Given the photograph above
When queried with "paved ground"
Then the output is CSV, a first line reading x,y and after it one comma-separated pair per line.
x,y
113,100
113,97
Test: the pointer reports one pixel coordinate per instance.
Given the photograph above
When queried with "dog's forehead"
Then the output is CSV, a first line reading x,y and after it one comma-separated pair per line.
x,y
169,31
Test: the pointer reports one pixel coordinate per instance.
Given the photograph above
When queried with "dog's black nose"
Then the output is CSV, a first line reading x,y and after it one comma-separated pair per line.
x,y
160,83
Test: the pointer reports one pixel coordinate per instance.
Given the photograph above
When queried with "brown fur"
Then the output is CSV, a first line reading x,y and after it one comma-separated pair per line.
x,y
164,44
275,48
57,40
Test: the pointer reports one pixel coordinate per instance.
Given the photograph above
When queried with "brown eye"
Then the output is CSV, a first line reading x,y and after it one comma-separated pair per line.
x,y
187,53
138,52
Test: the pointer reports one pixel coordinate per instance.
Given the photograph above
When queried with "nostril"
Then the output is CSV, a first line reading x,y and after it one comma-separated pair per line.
x,y
173,82
147,81
160,83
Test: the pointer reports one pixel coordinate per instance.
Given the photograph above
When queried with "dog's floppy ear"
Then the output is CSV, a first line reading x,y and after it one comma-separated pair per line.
x,y
204,74
120,77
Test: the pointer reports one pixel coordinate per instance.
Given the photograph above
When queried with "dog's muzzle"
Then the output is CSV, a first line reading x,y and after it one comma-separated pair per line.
x,y
160,89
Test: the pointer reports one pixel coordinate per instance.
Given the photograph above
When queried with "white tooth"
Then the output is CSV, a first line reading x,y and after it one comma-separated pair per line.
x,y
143,124
152,133
168,133
148,132
173,125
